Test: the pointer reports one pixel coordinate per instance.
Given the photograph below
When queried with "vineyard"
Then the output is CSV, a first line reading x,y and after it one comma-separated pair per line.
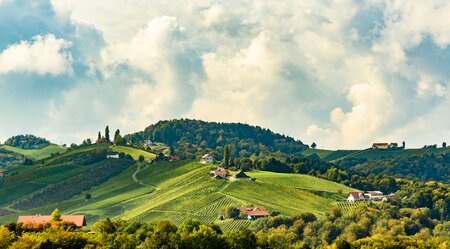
x,y
346,206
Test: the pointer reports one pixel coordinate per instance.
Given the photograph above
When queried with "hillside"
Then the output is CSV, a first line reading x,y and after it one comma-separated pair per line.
x,y
10,159
166,190
37,154
190,138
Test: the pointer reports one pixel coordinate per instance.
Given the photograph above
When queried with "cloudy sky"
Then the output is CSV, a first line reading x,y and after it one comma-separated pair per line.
x,y
342,74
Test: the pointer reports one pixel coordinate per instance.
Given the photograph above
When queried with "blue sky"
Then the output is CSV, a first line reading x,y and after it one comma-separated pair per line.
x,y
342,74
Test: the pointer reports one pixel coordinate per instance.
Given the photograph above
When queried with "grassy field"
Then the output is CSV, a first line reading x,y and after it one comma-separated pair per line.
x,y
177,191
38,154
135,153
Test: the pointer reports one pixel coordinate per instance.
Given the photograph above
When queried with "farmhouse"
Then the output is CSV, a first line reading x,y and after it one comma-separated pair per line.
x,y
254,213
207,158
356,196
374,195
173,158
380,146
115,156
219,173
79,220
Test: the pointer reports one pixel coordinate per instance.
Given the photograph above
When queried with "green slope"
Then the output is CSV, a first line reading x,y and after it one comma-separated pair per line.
x,y
183,189
133,152
37,154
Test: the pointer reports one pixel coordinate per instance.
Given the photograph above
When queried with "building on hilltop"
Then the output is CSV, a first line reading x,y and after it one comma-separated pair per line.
x,y
115,156
253,213
380,146
374,195
207,158
78,220
219,173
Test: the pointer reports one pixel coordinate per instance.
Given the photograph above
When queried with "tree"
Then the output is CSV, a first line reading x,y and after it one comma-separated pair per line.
x,y
107,134
99,137
226,156
403,144
116,134
141,158
313,145
56,215
118,140
444,145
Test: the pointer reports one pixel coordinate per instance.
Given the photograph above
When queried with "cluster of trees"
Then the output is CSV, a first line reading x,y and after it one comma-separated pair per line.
x,y
375,226
27,142
189,138
415,167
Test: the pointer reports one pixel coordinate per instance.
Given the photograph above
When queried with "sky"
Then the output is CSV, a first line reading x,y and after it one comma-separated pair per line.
x,y
343,74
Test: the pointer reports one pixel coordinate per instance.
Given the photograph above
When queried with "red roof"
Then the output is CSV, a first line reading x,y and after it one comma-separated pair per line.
x,y
380,144
253,211
220,172
357,194
79,220
205,156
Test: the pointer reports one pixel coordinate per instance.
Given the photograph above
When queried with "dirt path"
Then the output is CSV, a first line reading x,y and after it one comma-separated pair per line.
x,y
139,169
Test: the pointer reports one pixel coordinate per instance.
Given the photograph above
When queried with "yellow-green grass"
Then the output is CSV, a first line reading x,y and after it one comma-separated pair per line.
x,y
184,189
37,154
299,181
133,152
318,152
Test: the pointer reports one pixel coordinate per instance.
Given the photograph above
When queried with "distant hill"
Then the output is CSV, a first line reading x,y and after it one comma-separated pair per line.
x,y
37,154
416,164
27,142
189,138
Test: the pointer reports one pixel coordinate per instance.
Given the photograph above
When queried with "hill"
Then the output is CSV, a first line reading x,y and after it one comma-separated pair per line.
x,y
37,154
27,142
166,190
190,138
9,159
133,152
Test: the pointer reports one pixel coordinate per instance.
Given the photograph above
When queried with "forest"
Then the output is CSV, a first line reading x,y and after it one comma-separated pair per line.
x,y
27,142
190,138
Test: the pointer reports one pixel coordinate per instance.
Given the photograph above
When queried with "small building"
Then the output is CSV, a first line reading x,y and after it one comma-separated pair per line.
x,y
356,196
393,146
242,175
79,220
219,172
254,213
173,158
380,146
207,158
374,195
115,156
390,197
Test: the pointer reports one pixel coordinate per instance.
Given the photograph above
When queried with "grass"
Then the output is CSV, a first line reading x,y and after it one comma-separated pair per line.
x,y
133,152
37,154
318,152
179,190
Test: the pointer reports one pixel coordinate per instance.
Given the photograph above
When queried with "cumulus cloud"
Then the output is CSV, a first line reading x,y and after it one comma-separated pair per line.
x,y
42,55
341,74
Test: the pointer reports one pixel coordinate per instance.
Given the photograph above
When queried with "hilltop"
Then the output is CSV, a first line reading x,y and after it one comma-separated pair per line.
x,y
190,138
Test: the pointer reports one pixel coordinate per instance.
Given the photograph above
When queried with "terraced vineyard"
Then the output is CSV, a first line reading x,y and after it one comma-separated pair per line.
x,y
349,206
166,190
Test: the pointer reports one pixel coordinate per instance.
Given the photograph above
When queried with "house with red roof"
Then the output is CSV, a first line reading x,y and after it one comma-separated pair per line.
x,y
356,196
207,158
79,220
219,173
254,213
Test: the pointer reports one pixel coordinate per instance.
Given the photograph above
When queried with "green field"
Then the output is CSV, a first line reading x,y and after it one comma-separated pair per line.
x,y
37,154
135,153
170,190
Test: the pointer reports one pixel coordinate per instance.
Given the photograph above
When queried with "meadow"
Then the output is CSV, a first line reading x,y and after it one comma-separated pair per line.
x,y
37,154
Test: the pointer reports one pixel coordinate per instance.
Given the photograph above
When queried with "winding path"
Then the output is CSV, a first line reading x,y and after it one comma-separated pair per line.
x,y
139,169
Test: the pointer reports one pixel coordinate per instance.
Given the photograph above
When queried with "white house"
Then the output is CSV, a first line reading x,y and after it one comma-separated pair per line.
x,y
115,156
356,196
374,195
207,158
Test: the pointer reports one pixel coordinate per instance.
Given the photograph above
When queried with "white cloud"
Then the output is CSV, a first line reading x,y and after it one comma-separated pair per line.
x,y
43,55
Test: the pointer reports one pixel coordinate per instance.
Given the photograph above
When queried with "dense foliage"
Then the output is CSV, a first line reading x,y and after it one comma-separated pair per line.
x,y
27,142
377,225
10,159
191,138
415,167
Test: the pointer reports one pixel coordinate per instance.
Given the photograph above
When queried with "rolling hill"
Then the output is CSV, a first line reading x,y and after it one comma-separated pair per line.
x,y
37,154
166,190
